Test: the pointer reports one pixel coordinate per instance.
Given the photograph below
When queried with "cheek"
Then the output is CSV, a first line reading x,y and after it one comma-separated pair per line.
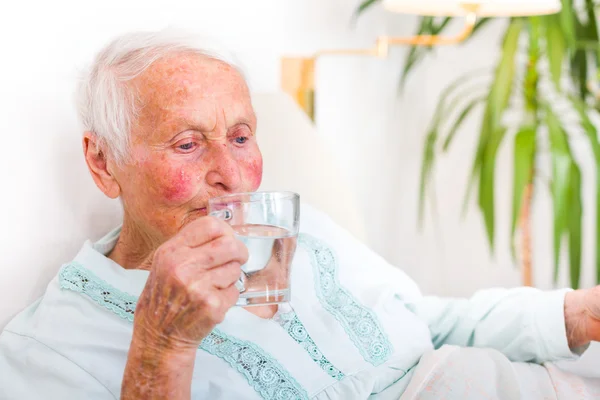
x,y
255,171
177,185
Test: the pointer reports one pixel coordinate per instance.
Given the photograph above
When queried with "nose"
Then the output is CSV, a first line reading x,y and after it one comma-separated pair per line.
x,y
224,171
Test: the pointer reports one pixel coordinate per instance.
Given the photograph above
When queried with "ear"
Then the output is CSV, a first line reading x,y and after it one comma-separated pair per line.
x,y
99,166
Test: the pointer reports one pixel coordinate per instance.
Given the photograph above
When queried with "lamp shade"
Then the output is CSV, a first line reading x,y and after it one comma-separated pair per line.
x,y
484,8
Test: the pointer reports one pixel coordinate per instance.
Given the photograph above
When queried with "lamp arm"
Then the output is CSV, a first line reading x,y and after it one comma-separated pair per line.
x,y
383,42
436,40
298,73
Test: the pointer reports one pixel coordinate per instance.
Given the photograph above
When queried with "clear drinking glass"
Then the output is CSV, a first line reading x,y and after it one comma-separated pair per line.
x,y
267,223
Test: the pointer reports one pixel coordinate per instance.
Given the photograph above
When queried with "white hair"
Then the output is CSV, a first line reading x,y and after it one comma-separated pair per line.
x,y
108,105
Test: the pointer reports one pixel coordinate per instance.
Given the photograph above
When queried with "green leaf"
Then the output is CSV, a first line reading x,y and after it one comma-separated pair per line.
x,y
592,135
417,53
460,119
492,132
524,161
501,88
574,225
555,47
365,4
589,128
428,24
449,99
487,183
579,59
561,170
437,29
426,170
567,22
580,70
592,26
480,24
443,108
587,45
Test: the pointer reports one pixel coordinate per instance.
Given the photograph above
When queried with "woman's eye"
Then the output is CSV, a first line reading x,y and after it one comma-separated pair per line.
x,y
241,139
186,146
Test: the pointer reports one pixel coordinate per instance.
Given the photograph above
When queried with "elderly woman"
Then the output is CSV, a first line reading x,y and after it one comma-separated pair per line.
x,y
167,127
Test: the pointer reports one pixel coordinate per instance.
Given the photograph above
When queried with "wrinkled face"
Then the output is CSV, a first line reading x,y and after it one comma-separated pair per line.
x,y
194,139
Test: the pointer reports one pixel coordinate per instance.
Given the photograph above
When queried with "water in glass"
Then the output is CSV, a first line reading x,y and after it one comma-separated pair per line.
x,y
266,275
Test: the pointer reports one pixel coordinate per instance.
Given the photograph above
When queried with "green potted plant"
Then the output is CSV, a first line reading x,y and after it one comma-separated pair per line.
x,y
563,50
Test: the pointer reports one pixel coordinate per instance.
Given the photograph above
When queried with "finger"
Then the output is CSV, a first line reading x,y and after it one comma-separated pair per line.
x,y
220,251
225,275
217,278
230,295
203,230
221,301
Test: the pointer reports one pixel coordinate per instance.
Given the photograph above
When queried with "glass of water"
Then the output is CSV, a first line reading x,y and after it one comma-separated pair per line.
x,y
267,223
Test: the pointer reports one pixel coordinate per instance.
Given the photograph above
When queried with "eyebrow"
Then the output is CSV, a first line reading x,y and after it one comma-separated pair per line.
x,y
186,124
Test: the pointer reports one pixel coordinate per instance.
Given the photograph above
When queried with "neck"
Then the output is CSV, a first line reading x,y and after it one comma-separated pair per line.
x,y
133,247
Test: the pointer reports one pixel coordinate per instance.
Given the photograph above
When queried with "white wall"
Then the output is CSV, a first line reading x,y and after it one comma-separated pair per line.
x,y
379,134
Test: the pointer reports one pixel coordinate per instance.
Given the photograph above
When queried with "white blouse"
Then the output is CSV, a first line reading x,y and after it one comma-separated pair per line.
x,y
355,328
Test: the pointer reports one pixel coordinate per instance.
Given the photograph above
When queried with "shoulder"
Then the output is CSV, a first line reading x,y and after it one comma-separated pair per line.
x,y
59,312
315,222
355,259
69,337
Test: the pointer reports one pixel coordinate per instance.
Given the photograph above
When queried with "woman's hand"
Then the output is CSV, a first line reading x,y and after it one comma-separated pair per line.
x,y
190,289
582,316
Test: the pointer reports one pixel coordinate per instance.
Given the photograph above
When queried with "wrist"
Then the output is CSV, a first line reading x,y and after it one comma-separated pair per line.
x,y
576,319
161,352
161,342
157,369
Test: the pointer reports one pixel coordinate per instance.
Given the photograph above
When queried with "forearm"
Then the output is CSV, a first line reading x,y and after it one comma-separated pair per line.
x,y
525,324
152,373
